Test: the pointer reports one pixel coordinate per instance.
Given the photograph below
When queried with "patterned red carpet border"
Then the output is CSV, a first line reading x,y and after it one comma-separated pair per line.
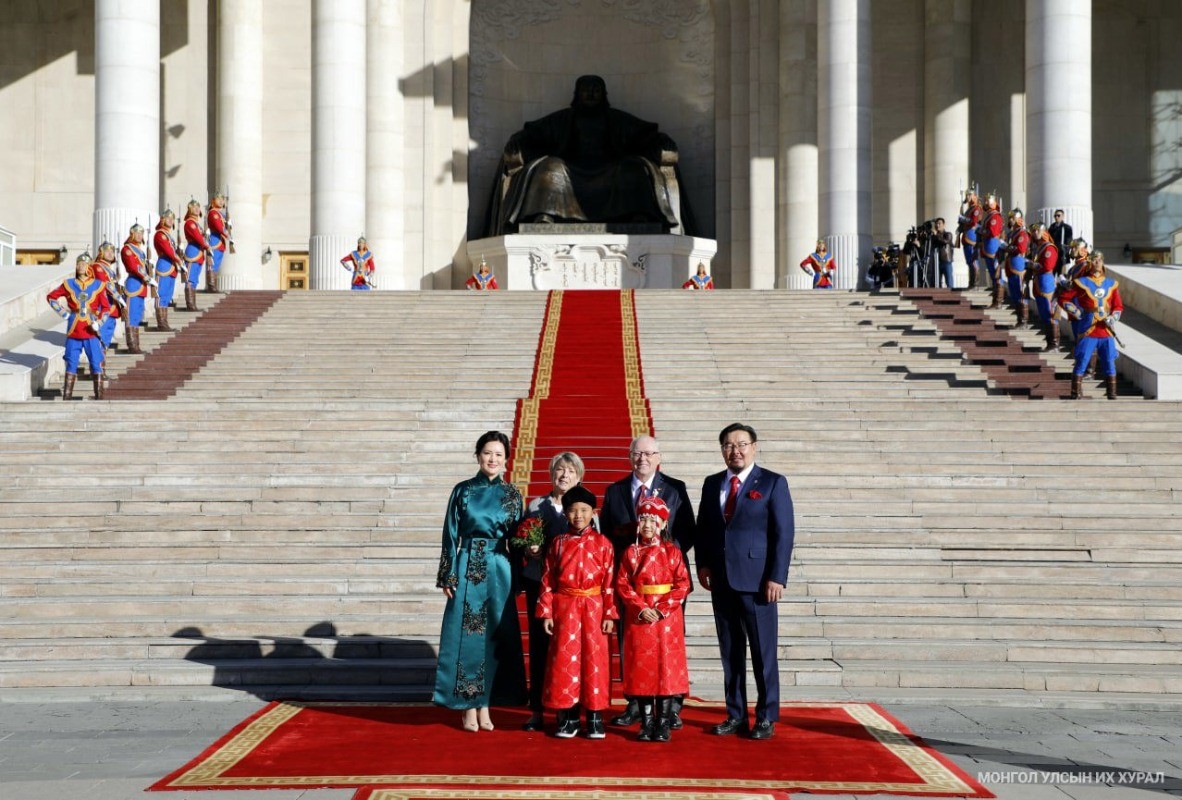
x,y
419,752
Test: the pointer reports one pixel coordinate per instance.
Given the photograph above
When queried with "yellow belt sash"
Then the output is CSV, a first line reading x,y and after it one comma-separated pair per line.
x,y
592,592
657,588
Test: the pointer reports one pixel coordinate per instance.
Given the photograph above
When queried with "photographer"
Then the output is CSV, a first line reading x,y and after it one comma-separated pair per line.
x,y
881,274
944,248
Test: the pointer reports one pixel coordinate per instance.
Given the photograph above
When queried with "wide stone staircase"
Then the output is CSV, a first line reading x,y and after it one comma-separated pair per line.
x,y
274,526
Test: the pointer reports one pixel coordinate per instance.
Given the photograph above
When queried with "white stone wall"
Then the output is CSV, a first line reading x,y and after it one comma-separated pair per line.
x,y
699,68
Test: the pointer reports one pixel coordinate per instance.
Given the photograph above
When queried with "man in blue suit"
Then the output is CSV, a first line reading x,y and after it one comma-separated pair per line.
x,y
744,544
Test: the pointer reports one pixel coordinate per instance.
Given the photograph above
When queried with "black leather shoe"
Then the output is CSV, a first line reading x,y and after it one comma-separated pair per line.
x,y
763,729
630,717
595,726
729,727
534,723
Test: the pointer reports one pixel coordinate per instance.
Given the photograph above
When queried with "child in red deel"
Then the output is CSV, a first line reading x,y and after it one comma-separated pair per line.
x,y
652,584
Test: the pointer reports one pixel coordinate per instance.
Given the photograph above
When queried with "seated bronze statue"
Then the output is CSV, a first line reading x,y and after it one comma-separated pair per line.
x,y
587,163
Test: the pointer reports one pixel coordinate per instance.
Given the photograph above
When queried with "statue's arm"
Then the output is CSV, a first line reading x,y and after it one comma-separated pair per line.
x,y
666,150
513,159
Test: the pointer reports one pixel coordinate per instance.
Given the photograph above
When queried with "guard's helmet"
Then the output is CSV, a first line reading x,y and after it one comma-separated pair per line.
x,y
1038,230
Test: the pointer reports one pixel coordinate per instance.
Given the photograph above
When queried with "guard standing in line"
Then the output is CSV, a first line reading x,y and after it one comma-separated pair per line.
x,y
1094,300
1016,253
966,230
134,255
105,271
483,280
1045,267
360,262
86,306
821,266
992,227
219,227
196,248
168,263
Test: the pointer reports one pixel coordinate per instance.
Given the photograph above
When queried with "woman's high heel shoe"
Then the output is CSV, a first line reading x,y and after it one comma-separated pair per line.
x,y
469,720
485,721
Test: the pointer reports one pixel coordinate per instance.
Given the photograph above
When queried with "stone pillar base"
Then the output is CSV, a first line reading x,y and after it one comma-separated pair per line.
x,y
113,225
325,252
846,249
592,261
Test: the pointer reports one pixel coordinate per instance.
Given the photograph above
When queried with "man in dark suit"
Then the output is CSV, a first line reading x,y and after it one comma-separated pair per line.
x,y
1061,235
744,545
617,521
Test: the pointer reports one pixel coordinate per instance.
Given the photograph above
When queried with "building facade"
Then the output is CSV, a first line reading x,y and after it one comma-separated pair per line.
x,y
795,119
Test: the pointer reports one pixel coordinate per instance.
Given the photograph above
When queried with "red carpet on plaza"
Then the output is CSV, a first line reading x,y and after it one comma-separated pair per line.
x,y
818,747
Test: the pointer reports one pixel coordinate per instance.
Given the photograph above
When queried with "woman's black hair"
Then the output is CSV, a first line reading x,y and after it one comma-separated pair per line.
x,y
494,436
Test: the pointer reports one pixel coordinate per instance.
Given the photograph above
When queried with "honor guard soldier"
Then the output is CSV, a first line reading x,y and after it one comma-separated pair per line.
x,y
168,266
196,248
107,273
1077,263
1043,279
701,281
1094,300
483,280
218,228
85,309
967,225
1017,250
992,227
134,255
821,266
360,262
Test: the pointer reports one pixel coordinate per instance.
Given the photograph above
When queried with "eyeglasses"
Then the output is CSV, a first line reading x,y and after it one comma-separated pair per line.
x,y
645,453
742,447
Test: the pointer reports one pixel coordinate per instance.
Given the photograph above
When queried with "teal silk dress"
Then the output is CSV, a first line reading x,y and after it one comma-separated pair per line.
x,y
480,659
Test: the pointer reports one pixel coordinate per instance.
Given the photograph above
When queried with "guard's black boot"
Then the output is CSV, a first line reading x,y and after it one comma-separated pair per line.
x,y
675,714
595,728
568,723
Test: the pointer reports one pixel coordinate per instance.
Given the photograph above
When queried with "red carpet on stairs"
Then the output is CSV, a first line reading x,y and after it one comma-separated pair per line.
x,y
164,370
420,751
587,396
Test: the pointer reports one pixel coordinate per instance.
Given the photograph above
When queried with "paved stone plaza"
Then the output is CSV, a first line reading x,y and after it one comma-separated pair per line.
x,y
114,750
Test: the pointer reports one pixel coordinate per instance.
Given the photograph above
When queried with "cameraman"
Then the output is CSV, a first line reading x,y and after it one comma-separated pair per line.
x,y
942,239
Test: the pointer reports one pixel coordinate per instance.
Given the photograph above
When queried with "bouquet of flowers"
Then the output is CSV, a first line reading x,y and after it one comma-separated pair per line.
x,y
530,533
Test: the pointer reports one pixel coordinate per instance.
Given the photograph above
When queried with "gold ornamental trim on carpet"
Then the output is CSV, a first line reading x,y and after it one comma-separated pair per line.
x,y
633,383
544,794
527,421
210,772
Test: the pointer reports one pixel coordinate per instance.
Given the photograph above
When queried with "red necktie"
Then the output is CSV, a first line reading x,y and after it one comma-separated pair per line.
x,y
641,496
728,510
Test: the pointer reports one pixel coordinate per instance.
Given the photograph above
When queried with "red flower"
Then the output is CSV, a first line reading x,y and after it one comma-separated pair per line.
x,y
754,495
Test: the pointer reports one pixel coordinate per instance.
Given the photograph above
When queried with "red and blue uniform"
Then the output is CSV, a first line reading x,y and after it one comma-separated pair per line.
x,y
135,263
219,234
482,283
1017,251
167,260
990,235
1093,303
967,226
362,265
195,247
1047,261
86,306
823,268
104,271
699,282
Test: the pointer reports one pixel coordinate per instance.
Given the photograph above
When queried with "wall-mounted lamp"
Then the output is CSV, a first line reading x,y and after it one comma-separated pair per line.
x,y
267,255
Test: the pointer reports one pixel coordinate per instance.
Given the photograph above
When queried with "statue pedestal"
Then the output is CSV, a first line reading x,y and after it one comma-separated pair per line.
x,y
589,260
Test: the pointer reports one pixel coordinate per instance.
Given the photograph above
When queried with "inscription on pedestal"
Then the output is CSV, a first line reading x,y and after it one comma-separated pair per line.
x,y
583,228
571,266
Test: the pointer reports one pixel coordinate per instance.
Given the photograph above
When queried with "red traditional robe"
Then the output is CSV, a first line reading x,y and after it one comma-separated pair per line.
x,y
165,251
482,283
105,272
577,594
216,221
654,576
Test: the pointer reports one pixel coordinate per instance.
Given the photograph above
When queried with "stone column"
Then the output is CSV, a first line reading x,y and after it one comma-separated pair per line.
x,y
1059,112
385,180
126,118
798,139
763,69
239,167
338,137
843,136
947,83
